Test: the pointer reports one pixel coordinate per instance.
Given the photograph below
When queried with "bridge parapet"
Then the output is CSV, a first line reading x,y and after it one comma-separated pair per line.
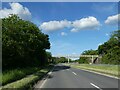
x,y
76,56
89,55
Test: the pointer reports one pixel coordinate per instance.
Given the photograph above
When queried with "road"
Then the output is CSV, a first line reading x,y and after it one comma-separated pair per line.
x,y
67,77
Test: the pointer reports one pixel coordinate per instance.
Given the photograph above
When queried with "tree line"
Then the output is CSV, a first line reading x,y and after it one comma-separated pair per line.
x,y
23,44
60,60
109,50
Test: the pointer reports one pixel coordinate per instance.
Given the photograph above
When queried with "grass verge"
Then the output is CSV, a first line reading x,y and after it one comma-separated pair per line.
x,y
27,82
16,74
113,70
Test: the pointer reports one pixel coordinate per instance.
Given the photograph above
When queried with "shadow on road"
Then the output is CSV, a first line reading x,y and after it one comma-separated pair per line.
x,y
58,68
50,76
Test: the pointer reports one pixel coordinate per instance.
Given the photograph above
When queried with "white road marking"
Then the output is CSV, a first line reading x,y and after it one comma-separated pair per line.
x,y
45,79
50,73
43,82
100,73
68,69
95,86
74,73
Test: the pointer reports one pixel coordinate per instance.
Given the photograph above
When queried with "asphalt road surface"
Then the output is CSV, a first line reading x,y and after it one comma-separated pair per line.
x,y
66,77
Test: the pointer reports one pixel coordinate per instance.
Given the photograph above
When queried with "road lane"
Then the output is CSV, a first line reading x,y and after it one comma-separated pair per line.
x,y
65,77
101,80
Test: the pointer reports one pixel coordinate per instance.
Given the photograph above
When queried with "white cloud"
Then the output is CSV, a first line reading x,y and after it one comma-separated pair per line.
x,y
55,25
16,8
113,20
63,34
74,30
89,23
107,34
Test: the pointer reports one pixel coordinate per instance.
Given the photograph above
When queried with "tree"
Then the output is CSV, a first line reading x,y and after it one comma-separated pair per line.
x,y
60,59
112,56
90,52
49,57
110,50
23,44
87,52
83,60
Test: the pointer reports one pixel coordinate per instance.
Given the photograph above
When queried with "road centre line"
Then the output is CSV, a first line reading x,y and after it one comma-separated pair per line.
x,y
95,86
99,73
74,73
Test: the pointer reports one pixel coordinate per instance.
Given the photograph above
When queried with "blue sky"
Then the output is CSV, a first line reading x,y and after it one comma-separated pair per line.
x,y
72,27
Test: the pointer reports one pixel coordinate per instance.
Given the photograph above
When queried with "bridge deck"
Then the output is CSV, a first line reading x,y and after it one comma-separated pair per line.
x,y
76,56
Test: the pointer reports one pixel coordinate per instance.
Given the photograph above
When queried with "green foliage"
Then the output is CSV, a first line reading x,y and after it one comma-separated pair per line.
x,y
13,75
28,81
83,60
23,44
55,60
87,52
110,50
90,52
49,57
61,60
112,56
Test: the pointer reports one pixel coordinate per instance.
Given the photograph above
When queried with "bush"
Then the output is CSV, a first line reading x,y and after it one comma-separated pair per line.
x,y
83,60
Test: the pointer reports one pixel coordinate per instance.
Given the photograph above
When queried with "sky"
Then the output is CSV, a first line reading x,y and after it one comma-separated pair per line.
x,y
72,27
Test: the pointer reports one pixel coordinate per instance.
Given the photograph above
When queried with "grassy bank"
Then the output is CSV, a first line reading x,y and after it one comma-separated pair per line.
x,y
113,70
29,80
16,74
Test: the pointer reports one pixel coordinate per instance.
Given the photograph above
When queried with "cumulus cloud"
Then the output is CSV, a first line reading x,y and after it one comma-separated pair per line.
x,y
74,30
16,8
63,34
89,23
55,25
113,20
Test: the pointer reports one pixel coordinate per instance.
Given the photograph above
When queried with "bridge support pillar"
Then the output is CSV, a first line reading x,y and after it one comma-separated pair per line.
x,y
92,59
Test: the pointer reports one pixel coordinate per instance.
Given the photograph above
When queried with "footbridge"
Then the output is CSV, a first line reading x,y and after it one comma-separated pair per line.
x,y
93,58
